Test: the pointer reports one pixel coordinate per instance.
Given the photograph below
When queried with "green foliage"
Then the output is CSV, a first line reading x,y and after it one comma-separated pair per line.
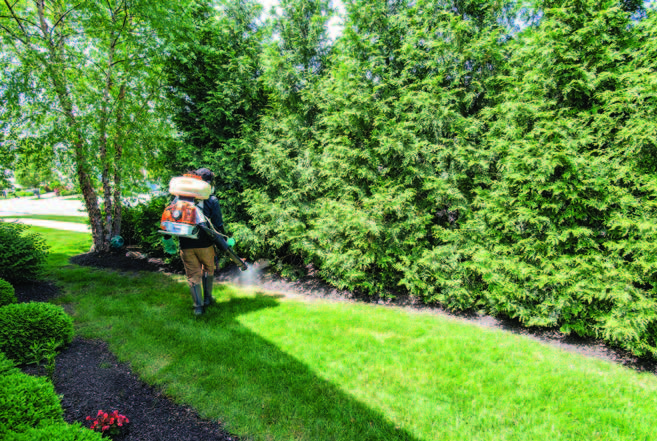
x,y
7,161
33,164
561,236
94,119
7,293
438,150
22,254
213,74
27,402
23,325
140,225
394,144
7,366
44,351
57,431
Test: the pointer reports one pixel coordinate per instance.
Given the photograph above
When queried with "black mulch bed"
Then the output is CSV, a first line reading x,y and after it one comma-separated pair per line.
x,y
89,377
122,261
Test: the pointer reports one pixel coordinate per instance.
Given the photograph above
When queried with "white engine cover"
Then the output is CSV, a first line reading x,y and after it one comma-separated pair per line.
x,y
189,187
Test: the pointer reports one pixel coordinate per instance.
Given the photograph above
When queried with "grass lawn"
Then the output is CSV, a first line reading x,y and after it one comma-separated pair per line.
x,y
271,368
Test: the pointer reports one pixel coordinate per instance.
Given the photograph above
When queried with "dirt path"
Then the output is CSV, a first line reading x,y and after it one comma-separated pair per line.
x,y
57,225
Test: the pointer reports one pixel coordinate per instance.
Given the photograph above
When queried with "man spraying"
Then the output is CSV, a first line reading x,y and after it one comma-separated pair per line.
x,y
195,217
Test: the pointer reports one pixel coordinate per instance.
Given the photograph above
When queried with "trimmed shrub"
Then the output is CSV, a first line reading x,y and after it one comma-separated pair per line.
x,y
7,366
25,324
22,254
58,431
26,402
140,224
7,293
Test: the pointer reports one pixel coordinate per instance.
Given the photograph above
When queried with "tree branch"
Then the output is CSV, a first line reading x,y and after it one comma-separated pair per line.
x,y
64,15
18,21
42,18
15,37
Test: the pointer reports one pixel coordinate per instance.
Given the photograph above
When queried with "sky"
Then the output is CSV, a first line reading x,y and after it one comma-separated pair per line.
x,y
335,26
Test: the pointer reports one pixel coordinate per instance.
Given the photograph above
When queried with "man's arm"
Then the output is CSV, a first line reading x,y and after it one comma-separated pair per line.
x,y
214,213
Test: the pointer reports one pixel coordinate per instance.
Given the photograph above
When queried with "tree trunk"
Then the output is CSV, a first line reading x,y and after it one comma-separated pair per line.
x,y
55,68
105,159
118,152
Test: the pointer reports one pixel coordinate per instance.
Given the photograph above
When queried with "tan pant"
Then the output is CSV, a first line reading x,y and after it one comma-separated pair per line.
x,y
196,261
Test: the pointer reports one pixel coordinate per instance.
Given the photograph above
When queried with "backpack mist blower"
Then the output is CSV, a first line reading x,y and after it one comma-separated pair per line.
x,y
183,218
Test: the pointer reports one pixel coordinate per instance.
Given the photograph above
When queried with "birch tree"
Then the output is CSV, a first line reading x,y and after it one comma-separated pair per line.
x,y
86,77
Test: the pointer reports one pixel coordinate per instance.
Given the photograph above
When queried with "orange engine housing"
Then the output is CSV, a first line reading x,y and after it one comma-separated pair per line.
x,y
180,212
180,218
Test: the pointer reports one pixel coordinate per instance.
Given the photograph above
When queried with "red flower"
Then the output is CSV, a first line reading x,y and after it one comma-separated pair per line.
x,y
104,421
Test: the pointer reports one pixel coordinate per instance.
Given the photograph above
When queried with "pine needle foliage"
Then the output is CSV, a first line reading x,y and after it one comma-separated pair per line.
x,y
561,237
359,191
439,150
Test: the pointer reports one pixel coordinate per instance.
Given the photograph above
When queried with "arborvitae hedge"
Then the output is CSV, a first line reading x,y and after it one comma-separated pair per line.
x,y
448,154
551,234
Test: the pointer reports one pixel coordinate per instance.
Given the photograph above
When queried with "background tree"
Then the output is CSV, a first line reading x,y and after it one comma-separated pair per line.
x,y
294,62
87,76
213,73
33,165
7,160
560,234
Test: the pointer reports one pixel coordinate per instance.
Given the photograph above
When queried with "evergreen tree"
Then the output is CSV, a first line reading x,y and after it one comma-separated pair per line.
x,y
546,233
391,154
213,73
295,60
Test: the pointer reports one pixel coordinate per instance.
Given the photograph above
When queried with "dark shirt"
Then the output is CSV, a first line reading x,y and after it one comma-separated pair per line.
x,y
212,212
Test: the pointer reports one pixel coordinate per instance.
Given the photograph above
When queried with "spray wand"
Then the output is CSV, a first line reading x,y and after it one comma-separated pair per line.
x,y
218,240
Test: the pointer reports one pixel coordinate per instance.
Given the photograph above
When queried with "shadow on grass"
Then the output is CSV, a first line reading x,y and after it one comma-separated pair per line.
x,y
222,368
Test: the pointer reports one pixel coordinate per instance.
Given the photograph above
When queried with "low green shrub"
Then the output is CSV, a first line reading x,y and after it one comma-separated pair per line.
x,y
140,224
23,325
7,293
57,431
22,254
7,366
27,402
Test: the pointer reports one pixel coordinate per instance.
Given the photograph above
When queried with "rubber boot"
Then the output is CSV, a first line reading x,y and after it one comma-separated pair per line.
x,y
208,280
197,297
